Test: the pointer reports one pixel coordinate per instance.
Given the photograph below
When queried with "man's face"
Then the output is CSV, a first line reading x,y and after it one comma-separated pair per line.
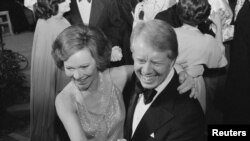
x,y
150,65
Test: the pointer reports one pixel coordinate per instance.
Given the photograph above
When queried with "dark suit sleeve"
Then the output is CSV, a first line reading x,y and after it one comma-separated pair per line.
x,y
114,32
189,123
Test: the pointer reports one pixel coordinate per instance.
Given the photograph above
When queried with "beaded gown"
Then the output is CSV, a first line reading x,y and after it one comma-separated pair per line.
x,y
107,124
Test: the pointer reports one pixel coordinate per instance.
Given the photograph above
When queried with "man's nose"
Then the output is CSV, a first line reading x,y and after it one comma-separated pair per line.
x,y
147,68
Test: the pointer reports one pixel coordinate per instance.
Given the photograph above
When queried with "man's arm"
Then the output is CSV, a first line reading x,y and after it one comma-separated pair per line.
x,y
114,31
116,23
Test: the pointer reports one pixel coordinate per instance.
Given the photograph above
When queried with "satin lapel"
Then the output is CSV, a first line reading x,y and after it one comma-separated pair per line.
x,y
96,11
131,109
75,13
159,113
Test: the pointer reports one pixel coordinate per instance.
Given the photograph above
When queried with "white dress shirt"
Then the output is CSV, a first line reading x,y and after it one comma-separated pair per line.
x,y
141,108
238,6
29,4
84,8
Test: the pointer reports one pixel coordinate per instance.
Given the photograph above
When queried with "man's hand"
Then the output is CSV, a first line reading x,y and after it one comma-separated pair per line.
x,y
187,83
116,54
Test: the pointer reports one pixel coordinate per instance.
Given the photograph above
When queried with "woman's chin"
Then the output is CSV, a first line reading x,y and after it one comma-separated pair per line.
x,y
81,86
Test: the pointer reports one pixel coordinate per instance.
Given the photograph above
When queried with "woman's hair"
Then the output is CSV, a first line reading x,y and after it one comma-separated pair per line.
x,y
78,37
44,9
193,12
159,34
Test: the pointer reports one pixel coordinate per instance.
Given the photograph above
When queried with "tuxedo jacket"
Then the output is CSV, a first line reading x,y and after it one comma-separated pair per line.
x,y
171,117
104,14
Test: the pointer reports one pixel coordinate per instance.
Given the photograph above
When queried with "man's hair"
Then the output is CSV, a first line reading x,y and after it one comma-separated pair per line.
x,y
78,37
159,34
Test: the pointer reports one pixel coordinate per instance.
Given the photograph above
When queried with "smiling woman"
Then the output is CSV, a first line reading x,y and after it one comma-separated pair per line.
x,y
91,106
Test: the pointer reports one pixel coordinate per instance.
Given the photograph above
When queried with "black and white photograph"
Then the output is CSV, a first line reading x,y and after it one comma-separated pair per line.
x,y
124,70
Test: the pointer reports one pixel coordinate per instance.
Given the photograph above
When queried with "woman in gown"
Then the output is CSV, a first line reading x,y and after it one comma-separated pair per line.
x,y
196,48
91,106
46,79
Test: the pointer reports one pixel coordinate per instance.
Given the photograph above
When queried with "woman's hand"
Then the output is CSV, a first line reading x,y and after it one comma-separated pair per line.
x,y
217,17
187,83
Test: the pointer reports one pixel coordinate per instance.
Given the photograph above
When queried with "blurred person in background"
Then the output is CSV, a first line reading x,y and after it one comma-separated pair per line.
x,y
103,14
46,79
196,48
237,90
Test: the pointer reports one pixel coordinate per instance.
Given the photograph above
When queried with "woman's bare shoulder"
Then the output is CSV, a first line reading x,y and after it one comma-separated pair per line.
x,y
64,100
120,75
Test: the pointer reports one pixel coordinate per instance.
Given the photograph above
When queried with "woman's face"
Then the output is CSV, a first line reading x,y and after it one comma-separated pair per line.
x,y
64,6
81,68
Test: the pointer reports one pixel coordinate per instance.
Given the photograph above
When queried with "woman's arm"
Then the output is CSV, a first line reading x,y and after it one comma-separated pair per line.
x,y
120,75
229,12
186,78
66,111
216,17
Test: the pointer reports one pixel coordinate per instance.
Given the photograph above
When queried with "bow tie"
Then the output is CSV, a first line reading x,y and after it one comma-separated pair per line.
x,y
87,0
148,93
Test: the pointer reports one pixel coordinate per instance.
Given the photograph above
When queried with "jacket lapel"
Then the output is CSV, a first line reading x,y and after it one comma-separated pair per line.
x,y
159,113
131,109
75,16
96,11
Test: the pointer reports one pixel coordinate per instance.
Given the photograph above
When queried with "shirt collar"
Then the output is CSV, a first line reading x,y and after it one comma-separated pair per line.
x,y
160,88
89,1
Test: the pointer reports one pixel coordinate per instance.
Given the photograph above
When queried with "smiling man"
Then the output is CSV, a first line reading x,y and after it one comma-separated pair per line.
x,y
156,109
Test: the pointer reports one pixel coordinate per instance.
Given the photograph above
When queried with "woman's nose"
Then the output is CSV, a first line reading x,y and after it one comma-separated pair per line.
x,y
76,74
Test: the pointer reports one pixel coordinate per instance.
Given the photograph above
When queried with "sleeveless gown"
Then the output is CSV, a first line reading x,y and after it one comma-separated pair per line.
x,y
107,125
46,79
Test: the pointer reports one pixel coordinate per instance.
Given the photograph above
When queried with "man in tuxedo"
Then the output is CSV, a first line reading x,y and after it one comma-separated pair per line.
x,y
156,109
99,13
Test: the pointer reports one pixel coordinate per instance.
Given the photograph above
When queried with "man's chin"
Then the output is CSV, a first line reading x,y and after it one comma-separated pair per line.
x,y
148,85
